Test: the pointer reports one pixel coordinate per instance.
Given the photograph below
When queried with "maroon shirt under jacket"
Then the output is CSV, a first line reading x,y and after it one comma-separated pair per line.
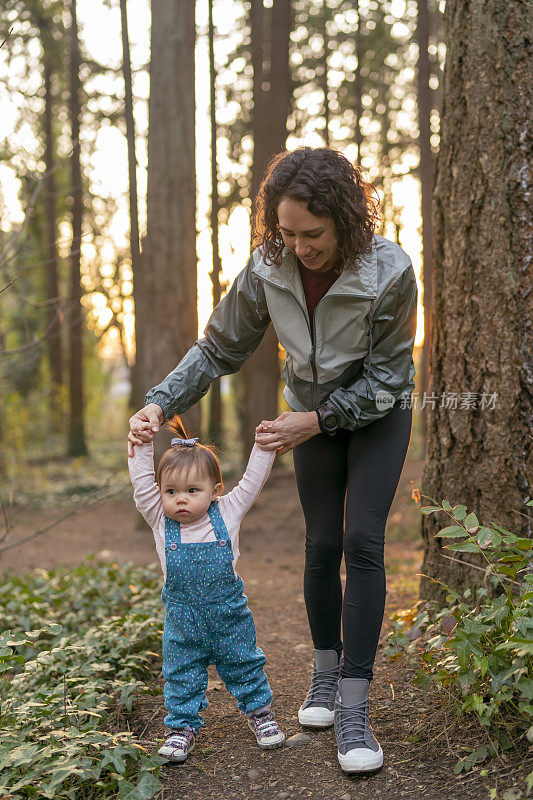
x,y
315,286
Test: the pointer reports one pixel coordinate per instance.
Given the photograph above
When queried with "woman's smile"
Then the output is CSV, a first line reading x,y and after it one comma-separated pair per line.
x,y
311,259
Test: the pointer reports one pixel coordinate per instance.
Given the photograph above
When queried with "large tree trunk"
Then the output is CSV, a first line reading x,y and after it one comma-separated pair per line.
x,y
55,355
271,89
481,318
138,379
169,258
76,441
426,184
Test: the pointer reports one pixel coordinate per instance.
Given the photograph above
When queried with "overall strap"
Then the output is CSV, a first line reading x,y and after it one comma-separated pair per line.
x,y
219,526
172,531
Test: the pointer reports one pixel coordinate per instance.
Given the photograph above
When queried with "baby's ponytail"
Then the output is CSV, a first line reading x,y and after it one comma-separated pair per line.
x,y
175,425
186,454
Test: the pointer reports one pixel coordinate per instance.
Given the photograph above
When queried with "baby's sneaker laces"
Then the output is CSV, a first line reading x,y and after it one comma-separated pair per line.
x,y
266,729
178,745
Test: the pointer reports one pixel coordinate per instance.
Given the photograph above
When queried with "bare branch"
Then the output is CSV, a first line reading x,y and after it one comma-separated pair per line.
x,y
97,496
7,285
7,37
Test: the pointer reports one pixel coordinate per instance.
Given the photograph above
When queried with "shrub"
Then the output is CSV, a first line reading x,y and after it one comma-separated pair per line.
x,y
79,644
478,649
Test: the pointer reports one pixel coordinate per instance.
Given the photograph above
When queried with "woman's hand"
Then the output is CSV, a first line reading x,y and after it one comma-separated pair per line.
x,y
143,425
288,430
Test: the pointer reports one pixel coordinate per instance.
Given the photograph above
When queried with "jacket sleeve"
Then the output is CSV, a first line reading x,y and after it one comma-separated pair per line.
x,y
388,368
233,332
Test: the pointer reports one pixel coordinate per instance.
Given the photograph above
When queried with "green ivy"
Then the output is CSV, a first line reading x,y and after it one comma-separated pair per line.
x,y
479,647
79,644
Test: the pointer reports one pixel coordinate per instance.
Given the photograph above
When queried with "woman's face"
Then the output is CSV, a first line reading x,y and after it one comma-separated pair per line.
x,y
313,239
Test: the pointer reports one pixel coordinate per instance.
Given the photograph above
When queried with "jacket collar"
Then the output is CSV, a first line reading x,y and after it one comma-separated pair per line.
x,y
362,283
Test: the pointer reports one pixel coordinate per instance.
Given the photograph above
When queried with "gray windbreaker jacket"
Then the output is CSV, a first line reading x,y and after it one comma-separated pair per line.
x,y
362,358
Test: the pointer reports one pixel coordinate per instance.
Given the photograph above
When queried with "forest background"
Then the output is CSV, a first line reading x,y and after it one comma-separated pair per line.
x,y
132,147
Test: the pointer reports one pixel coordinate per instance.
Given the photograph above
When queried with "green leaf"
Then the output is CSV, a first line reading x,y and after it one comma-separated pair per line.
x,y
59,775
446,505
429,509
148,785
451,531
127,791
463,547
524,544
471,521
459,512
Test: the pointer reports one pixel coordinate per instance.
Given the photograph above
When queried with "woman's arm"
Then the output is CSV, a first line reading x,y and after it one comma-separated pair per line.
x,y
233,332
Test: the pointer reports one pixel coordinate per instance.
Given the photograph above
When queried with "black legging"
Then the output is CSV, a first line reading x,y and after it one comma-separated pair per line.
x,y
360,468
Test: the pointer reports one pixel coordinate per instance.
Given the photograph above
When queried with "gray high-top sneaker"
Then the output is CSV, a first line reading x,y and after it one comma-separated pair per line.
x,y
359,750
317,710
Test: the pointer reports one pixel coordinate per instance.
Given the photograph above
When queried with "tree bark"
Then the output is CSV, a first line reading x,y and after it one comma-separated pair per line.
x,y
55,354
271,88
170,258
76,443
426,184
481,317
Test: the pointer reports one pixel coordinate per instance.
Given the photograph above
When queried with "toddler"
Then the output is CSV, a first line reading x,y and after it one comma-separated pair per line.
x,y
207,619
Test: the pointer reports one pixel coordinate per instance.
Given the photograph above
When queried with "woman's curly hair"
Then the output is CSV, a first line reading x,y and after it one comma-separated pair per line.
x,y
331,186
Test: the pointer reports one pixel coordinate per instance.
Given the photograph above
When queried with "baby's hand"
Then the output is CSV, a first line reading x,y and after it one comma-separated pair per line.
x,y
264,436
145,434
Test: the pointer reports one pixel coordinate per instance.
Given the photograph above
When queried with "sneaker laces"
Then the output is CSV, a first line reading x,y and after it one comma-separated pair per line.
x,y
353,722
323,683
265,724
181,739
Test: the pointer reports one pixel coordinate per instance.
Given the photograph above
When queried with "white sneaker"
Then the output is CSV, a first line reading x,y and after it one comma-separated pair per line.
x,y
317,710
178,745
266,729
359,750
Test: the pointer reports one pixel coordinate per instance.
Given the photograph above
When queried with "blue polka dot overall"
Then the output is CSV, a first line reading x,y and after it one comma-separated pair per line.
x,y
207,621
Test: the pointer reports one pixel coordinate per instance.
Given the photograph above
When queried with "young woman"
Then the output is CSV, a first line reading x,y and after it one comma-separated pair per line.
x,y
343,303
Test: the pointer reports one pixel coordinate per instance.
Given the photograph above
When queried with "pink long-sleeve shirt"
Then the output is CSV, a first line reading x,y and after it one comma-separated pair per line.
x,y
233,506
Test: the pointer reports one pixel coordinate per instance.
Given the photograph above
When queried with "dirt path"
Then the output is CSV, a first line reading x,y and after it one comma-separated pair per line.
x,y
420,751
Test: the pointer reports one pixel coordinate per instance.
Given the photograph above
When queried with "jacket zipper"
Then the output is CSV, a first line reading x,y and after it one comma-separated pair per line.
x,y
312,355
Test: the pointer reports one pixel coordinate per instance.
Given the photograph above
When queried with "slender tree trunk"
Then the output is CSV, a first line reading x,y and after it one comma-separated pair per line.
x,y
280,79
76,443
323,67
358,84
170,255
426,184
260,89
481,312
138,380
55,355
270,58
215,405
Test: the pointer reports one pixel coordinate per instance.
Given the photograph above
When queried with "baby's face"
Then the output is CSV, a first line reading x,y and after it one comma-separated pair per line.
x,y
186,497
